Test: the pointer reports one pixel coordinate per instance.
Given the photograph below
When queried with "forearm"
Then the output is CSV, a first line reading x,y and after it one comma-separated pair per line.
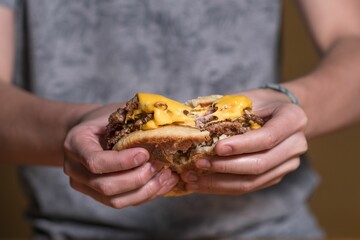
x,y
32,130
330,94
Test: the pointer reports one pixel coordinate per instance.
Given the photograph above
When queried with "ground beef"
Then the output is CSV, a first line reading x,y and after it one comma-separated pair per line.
x,y
228,128
207,117
117,127
252,117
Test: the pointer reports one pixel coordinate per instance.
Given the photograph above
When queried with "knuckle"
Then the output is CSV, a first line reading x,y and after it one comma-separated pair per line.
x,y
274,182
91,163
121,162
141,178
277,181
73,184
292,165
269,140
66,145
69,140
246,186
300,116
304,145
300,142
221,167
104,187
151,189
72,139
116,203
303,119
296,164
258,166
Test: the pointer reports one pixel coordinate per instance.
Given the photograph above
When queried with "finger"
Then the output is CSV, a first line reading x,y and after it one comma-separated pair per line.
x,y
167,187
85,148
149,191
131,198
257,163
115,183
170,183
270,184
284,122
238,184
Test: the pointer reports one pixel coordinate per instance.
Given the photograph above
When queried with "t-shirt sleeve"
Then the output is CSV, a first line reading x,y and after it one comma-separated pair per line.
x,y
7,3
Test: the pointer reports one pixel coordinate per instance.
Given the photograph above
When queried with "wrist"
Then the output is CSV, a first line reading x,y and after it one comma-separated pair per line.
x,y
60,118
283,90
77,112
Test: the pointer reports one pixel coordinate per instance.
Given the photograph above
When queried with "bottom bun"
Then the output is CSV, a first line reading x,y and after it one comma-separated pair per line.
x,y
176,147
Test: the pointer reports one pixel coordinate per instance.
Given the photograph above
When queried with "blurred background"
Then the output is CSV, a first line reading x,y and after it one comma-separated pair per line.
x,y
336,157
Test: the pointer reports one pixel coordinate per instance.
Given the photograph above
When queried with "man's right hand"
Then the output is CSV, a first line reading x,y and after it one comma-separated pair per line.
x,y
117,179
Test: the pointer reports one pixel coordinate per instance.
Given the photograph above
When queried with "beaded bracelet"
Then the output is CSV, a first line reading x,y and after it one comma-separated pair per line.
x,y
283,90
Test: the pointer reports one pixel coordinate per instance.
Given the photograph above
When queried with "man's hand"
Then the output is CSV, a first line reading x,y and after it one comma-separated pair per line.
x,y
116,179
256,159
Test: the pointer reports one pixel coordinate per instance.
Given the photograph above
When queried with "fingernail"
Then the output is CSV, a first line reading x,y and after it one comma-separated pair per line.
x,y
164,176
139,158
225,150
203,163
191,177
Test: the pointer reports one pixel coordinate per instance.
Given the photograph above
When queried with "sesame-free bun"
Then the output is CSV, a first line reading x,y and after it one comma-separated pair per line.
x,y
176,147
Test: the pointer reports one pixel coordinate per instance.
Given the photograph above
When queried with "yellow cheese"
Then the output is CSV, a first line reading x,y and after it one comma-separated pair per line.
x,y
231,107
167,111
254,125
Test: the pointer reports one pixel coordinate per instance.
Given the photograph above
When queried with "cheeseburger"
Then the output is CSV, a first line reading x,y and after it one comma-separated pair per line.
x,y
179,134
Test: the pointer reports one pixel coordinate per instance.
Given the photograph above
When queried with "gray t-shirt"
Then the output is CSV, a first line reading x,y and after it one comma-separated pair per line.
x,y
106,51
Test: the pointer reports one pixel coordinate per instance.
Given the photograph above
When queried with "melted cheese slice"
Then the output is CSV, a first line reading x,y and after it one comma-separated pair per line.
x,y
231,107
167,111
